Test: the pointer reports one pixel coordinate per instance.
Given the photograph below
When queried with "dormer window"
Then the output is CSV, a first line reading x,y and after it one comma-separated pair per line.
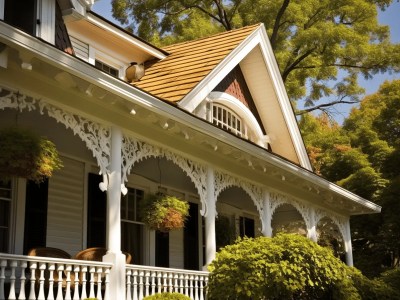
x,y
106,68
226,119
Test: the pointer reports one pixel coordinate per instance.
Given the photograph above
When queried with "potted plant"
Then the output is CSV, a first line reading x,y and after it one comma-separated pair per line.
x,y
25,154
163,212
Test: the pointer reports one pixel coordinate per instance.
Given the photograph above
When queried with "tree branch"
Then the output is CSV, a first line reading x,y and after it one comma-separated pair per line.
x,y
291,67
277,24
324,105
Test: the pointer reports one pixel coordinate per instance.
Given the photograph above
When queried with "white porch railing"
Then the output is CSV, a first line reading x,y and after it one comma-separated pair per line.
x,y
30,277
142,281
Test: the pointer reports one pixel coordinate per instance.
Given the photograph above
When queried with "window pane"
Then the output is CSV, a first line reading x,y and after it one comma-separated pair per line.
x,y
132,241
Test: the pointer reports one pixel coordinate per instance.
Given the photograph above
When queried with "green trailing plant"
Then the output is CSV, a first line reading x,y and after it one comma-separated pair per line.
x,y
164,212
25,154
167,296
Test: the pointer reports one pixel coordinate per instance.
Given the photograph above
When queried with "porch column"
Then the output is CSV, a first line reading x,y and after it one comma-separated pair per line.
x,y
209,217
114,254
311,230
347,244
266,216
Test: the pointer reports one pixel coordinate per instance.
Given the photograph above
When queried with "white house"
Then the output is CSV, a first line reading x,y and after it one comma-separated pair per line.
x,y
207,120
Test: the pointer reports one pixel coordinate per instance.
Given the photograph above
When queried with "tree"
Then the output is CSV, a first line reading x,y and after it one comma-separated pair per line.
x,y
363,156
315,41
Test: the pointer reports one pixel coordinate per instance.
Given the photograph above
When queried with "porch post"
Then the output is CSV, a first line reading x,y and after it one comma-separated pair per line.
x,y
347,244
266,216
114,254
209,217
311,228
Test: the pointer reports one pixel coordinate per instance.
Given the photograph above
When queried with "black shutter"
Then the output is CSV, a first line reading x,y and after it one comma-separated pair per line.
x,y
35,215
162,249
97,209
191,239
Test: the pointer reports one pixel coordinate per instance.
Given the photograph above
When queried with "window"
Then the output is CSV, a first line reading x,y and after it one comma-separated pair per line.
x,y
247,227
21,16
106,68
226,119
5,210
132,229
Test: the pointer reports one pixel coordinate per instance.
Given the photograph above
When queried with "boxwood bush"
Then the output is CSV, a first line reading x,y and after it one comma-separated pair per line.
x,y
167,296
287,266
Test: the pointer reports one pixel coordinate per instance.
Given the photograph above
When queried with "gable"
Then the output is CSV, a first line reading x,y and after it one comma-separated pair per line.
x,y
235,85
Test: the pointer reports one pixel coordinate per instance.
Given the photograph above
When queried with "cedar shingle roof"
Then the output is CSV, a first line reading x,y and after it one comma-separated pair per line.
x,y
189,63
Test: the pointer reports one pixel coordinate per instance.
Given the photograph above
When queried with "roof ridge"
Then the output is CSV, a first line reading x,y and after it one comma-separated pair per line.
x,y
214,35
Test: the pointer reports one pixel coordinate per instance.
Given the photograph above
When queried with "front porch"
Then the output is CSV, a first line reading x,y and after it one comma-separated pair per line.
x,y
28,277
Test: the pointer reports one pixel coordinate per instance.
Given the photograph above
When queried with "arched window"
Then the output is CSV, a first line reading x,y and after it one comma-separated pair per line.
x,y
225,118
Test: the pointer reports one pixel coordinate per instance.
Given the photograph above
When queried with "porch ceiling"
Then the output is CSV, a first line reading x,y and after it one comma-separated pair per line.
x,y
70,83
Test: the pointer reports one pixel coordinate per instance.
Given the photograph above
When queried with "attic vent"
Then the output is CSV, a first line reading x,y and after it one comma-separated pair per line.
x,y
81,49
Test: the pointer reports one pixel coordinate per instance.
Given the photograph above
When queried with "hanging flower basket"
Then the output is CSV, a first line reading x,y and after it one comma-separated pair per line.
x,y
25,154
163,212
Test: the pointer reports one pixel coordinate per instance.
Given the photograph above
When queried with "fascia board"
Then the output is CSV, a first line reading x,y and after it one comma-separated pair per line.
x,y
280,90
206,86
131,94
120,34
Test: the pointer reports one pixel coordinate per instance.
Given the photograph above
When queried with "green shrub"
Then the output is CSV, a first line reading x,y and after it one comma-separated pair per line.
x,y
287,266
167,296
392,279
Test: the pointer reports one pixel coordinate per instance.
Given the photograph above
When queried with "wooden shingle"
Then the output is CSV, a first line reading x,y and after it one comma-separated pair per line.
x,y
188,63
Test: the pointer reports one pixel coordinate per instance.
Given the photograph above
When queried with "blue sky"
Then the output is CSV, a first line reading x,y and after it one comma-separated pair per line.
x,y
390,17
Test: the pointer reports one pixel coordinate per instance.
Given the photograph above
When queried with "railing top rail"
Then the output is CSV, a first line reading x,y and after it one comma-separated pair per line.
x,y
54,260
169,270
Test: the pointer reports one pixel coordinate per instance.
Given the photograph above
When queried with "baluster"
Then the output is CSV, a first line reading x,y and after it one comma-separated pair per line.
x,y
106,284
23,266
76,282
51,268
3,265
159,282
176,284
181,283
42,268
196,287
147,283
11,294
99,273
186,285
128,284
201,288
135,285
68,269
165,282
141,275
91,292
205,286
170,284
84,280
191,287
32,294
60,270
153,282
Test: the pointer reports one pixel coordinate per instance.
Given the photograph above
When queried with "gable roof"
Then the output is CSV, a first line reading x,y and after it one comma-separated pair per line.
x,y
189,63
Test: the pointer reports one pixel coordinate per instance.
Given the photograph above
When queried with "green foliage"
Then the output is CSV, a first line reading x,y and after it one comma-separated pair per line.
x,y
167,296
312,39
287,266
25,154
363,156
163,212
392,279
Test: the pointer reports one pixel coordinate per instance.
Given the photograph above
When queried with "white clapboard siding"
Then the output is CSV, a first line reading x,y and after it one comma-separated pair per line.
x,y
176,253
65,207
81,49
